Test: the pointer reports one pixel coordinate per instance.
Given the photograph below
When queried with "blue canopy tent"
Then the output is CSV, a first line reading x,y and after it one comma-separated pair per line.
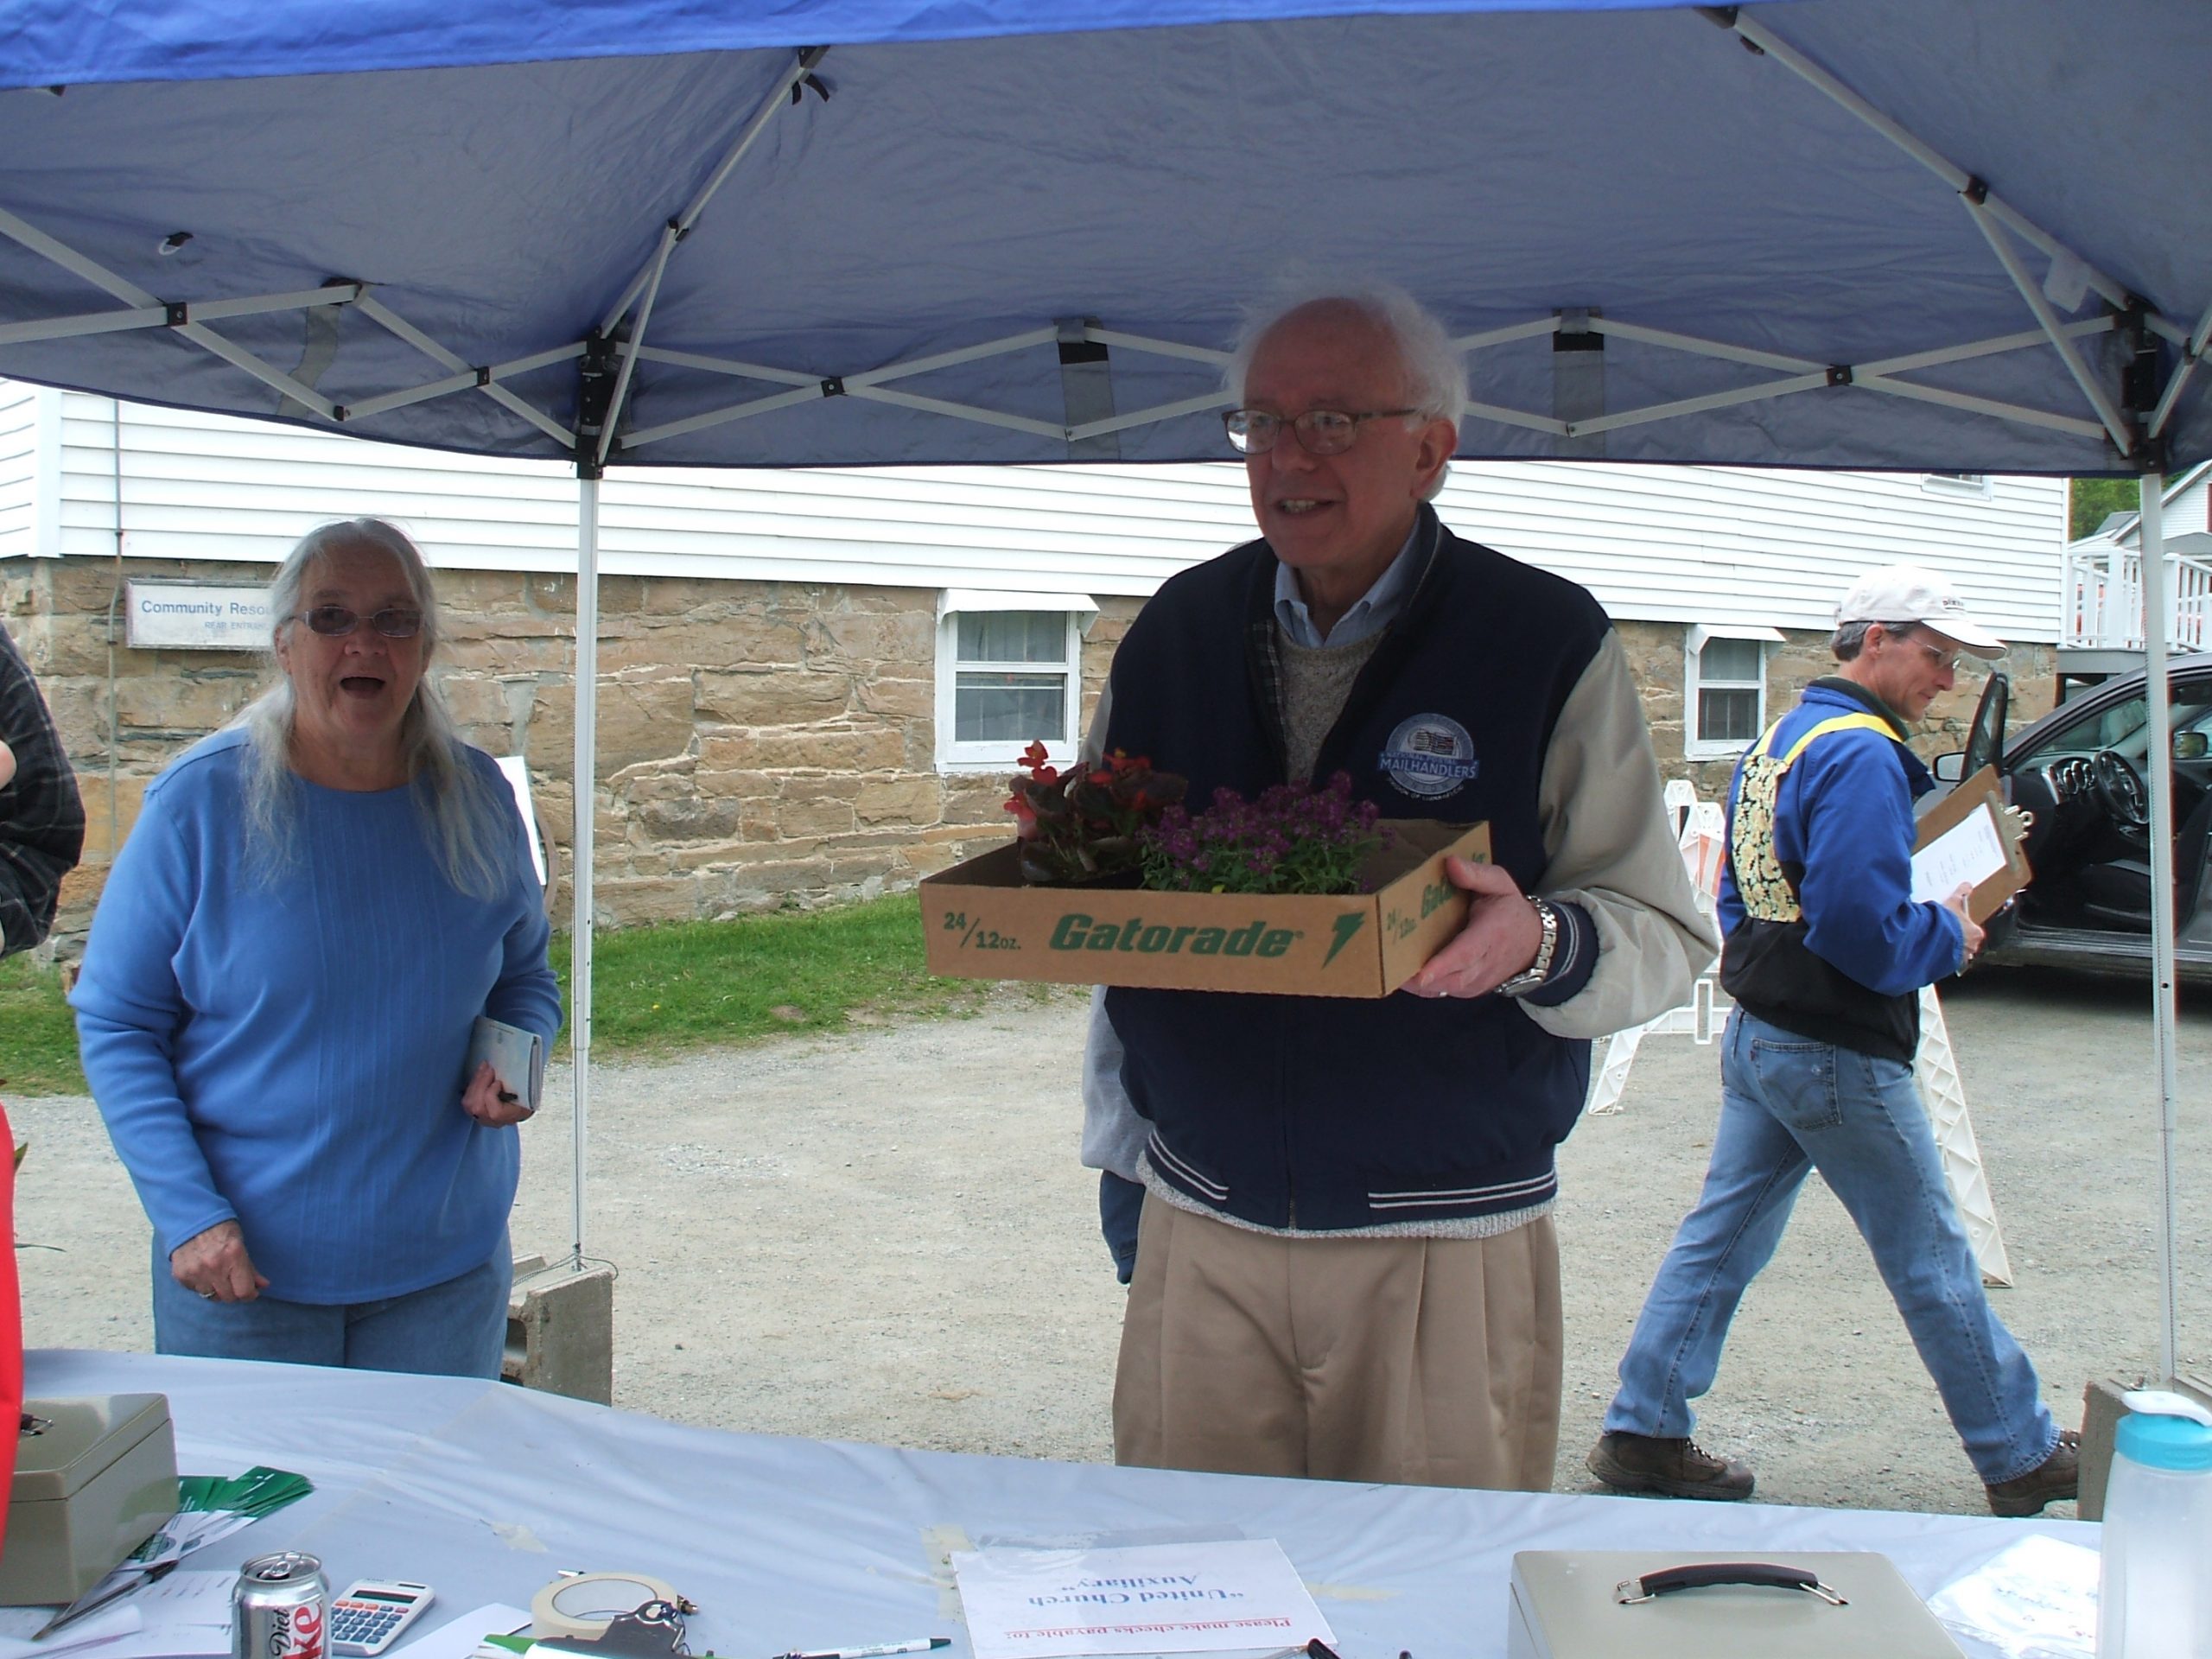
x,y
1962,235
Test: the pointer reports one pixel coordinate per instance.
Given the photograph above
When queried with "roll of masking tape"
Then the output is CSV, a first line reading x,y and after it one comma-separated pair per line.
x,y
583,1606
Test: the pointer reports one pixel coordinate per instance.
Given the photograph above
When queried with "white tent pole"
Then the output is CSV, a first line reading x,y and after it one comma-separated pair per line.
x,y
1773,46
669,237
168,316
587,701
383,315
794,75
2192,354
2157,764
2047,320
131,295
1872,377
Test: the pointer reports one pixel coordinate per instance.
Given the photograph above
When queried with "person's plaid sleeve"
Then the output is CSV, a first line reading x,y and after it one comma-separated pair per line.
x,y
42,819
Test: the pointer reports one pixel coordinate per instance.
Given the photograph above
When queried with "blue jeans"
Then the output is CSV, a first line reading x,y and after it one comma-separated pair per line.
x,y
456,1329
1788,1105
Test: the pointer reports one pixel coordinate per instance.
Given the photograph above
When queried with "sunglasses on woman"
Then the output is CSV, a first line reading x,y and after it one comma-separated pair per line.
x,y
393,623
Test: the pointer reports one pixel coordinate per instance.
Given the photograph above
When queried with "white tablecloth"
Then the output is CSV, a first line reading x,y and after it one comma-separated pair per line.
x,y
484,1491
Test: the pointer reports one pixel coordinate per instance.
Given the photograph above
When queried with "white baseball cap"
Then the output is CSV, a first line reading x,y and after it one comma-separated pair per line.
x,y
1907,593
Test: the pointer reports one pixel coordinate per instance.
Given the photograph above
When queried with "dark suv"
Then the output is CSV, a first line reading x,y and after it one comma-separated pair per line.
x,y
2079,770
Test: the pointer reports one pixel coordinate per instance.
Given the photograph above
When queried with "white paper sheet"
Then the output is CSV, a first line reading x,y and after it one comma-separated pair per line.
x,y
1966,854
2036,1599
458,1637
16,1624
1199,1598
177,1616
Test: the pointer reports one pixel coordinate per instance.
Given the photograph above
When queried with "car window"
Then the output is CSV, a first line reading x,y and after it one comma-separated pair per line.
x,y
2125,724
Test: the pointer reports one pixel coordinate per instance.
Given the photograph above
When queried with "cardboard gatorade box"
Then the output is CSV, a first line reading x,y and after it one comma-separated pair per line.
x,y
981,921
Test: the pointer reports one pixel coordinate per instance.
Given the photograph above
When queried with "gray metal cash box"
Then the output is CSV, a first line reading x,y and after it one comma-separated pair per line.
x,y
95,1477
1798,1605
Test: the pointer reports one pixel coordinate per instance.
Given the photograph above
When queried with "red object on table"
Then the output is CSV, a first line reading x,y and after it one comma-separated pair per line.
x,y
11,1322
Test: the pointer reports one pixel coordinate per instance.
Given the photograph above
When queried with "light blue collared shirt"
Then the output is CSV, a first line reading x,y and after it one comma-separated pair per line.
x,y
1375,611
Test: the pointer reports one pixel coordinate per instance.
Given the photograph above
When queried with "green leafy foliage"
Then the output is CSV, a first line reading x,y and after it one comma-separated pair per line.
x,y
1082,825
2090,501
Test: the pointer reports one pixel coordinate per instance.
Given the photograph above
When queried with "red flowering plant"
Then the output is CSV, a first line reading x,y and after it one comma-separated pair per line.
x,y
1291,840
1083,824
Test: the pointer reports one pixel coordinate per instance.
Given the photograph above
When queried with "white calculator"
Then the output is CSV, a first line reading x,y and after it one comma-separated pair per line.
x,y
369,1617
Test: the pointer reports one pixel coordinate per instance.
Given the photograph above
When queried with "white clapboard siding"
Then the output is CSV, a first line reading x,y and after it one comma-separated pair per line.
x,y
1764,545
1687,544
2187,506
25,445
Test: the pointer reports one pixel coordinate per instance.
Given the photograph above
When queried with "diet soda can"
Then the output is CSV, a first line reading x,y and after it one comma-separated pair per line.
x,y
280,1609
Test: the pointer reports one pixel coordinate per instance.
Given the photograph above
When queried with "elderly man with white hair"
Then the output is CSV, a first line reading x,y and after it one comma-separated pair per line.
x,y
1346,1266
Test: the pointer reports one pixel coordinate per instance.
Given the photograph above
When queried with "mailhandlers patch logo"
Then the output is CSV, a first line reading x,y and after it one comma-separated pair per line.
x,y
1430,756
1077,931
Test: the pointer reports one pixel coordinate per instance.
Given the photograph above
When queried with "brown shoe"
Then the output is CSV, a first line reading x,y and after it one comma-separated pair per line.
x,y
2057,1476
1667,1468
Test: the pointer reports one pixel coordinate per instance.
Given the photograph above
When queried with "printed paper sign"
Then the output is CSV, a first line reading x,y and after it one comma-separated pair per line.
x,y
1219,1598
1966,854
194,616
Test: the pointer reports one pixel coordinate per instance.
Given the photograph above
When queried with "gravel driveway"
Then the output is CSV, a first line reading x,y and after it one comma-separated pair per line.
x,y
885,1236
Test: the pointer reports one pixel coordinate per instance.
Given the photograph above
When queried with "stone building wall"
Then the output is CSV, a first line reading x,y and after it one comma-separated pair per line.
x,y
759,744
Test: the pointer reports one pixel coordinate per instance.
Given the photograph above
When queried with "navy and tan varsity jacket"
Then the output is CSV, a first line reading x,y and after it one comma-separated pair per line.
x,y
1500,693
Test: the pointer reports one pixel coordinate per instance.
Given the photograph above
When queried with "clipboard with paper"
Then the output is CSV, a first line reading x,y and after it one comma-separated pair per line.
x,y
1971,838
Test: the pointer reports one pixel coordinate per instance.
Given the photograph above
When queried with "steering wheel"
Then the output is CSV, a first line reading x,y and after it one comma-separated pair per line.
x,y
2119,788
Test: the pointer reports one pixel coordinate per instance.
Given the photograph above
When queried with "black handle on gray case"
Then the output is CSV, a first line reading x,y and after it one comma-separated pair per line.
x,y
1764,1575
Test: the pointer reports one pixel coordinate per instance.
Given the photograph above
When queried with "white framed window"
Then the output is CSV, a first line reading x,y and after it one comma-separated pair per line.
x,y
1974,486
1723,689
1009,673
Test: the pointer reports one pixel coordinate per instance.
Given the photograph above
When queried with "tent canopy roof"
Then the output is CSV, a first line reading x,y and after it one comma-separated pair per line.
x,y
66,43
965,186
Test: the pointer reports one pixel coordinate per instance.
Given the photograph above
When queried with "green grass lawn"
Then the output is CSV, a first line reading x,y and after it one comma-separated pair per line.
x,y
656,990
38,1039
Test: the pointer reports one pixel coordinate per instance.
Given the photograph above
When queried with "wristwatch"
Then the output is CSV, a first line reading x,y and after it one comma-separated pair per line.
x,y
1537,971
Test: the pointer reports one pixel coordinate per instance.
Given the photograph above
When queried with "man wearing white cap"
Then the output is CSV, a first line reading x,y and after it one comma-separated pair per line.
x,y
1824,954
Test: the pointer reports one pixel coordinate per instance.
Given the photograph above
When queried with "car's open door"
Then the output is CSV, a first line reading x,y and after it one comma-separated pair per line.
x,y
1986,736
1985,747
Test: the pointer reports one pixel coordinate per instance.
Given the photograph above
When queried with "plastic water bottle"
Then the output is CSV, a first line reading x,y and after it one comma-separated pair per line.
x,y
2154,1596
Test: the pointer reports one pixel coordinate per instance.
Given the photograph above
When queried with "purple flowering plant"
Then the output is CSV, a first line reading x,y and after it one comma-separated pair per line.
x,y
1291,840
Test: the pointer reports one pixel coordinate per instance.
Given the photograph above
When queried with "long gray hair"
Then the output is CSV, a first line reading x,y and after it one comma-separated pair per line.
x,y
458,807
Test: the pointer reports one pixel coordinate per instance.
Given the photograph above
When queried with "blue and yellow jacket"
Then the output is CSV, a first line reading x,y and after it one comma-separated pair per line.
x,y
1822,937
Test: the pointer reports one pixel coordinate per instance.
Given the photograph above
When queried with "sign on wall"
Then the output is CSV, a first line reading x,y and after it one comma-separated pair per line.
x,y
196,616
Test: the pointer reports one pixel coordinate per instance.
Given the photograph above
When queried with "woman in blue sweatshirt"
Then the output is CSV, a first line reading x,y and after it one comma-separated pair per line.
x,y
277,997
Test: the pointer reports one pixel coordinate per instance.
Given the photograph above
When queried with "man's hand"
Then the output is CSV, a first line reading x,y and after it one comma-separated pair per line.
x,y
488,1103
1957,904
6,765
1498,941
215,1264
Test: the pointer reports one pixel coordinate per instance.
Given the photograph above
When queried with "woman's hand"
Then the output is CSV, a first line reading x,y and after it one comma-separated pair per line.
x,y
489,1104
215,1264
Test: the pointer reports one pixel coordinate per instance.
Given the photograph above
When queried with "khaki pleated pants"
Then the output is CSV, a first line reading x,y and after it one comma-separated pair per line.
x,y
1430,1361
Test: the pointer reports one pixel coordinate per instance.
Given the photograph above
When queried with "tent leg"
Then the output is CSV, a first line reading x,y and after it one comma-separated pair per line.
x,y
2157,764
580,883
